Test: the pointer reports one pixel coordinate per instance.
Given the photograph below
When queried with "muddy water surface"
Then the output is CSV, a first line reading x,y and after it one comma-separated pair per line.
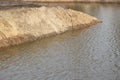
x,y
88,54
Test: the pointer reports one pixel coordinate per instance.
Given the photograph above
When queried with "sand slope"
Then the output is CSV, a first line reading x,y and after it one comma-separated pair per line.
x,y
27,24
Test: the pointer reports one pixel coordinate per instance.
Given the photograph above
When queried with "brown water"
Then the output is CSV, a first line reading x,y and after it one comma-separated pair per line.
x,y
88,54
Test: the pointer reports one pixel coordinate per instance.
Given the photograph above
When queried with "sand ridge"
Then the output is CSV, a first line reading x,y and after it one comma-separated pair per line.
x,y
27,24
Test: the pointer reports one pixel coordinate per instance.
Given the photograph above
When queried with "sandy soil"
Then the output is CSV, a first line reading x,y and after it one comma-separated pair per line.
x,y
27,24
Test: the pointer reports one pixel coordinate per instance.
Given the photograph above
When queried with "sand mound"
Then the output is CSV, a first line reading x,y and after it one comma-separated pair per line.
x,y
27,24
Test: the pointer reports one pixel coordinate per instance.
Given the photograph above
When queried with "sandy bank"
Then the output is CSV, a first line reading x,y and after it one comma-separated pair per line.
x,y
27,24
103,1
65,0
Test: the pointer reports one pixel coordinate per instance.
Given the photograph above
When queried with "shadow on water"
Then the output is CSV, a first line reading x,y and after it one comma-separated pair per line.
x,y
9,52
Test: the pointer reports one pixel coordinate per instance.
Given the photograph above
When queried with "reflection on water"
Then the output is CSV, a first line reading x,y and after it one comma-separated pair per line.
x,y
89,54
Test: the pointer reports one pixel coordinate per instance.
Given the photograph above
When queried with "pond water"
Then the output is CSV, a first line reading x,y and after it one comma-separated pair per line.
x,y
89,54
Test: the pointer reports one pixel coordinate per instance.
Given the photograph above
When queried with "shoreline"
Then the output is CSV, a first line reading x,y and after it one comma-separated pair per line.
x,y
107,2
9,4
34,3
73,1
